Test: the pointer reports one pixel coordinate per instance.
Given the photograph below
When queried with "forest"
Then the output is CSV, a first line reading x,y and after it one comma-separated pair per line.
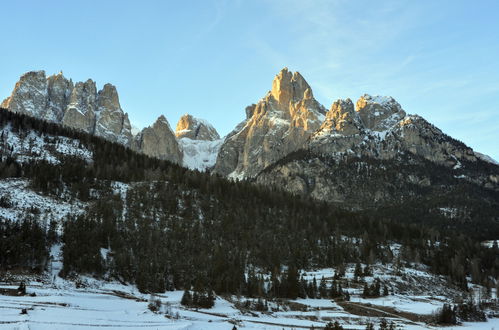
x,y
182,229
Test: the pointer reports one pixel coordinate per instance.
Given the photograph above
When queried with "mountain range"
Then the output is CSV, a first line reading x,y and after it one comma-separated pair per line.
x,y
359,155
378,204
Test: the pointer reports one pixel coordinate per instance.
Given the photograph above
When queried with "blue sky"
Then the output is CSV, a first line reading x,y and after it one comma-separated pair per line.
x,y
439,59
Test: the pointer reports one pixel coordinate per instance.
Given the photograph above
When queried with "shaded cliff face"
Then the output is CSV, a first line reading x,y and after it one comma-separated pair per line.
x,y
158,141
59,92
278,124
80,113
29,96
79,106
195,129
111,123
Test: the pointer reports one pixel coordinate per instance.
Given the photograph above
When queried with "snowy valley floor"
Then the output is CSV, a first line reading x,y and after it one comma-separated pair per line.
x,y
60,305
86,303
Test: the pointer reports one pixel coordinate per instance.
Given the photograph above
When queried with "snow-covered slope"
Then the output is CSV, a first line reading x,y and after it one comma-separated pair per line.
x,y
19,201
199,154
40,147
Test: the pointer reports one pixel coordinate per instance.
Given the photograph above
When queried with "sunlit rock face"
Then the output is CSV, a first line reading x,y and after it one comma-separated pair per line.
x,y
80,106
374,153
379,113
277,125
341,119
380,128
195,129
159,141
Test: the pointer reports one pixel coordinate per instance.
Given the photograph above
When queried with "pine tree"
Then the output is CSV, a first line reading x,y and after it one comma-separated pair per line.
x,y
358,271
383,325
385,290
186,298
365,292
323,288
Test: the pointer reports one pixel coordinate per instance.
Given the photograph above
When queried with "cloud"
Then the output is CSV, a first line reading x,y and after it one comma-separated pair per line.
x,y
219,9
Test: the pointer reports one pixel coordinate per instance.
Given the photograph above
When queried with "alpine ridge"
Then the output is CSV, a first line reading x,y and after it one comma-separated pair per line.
x,y
80,106
287,139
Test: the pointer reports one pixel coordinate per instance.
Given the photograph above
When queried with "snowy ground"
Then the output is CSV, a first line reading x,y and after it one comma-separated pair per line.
x,y
90,303
114,306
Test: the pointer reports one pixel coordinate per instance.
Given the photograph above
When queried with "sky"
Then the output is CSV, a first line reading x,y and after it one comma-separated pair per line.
x,y
212,58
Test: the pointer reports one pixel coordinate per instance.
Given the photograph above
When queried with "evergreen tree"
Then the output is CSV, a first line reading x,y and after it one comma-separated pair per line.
x,y
186,298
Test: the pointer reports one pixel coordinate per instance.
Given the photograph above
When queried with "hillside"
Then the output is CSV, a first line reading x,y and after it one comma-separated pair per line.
x,y
124,216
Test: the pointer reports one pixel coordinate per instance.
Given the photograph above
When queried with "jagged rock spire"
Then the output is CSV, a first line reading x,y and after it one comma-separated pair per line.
x,y
278,124
79,106
289,87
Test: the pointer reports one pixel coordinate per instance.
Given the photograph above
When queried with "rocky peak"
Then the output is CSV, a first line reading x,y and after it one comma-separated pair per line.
x,y
159,141
278,124
57,99
108,98
341,119
112,123
59,91
289,87
29,96
378,113
80,113
195,129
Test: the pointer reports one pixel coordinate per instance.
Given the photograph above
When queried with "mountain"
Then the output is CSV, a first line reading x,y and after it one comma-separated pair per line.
x,y
375,154
199,142
158,141
80,106
288,140
57,99
277,125
361,156
195,129
407,211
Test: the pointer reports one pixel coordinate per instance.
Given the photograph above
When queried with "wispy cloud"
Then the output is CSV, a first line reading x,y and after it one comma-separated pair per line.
x,y
219,10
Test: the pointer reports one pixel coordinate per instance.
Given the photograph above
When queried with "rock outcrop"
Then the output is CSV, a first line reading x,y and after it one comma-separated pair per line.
x,y
79,106
277,125
379,113
112,123
341,119
195,129
59,92
159,141
80,113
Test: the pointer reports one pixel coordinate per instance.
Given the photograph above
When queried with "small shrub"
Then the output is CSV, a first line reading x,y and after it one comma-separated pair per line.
x,y
154,305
